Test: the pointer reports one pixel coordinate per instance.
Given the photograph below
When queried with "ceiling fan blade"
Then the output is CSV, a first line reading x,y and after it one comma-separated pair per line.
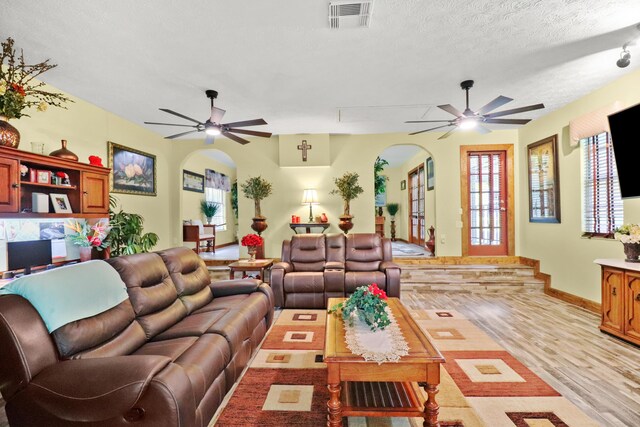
x,y
450,109
254,122
209,139
515,111
481,129
177,135
235,138
180,115
508,121
217,114
428,121
169,124
251,132
427,130
446,135
496,103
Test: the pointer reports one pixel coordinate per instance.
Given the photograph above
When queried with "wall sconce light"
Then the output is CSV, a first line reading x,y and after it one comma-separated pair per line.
x,y
625,57
310,197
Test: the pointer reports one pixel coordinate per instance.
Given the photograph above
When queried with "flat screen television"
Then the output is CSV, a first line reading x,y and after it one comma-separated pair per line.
x,y
625,138
32,253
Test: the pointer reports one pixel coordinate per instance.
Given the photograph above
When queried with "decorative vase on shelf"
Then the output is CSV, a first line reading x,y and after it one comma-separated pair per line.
x,y
632,251
252,252
64,153
209,219
85,253
9,135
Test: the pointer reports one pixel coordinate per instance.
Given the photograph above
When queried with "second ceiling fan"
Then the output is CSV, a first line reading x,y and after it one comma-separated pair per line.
x,y
212,126
469,119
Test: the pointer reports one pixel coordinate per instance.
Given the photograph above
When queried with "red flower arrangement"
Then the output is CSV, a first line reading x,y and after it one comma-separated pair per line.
x,y
252,240
17,88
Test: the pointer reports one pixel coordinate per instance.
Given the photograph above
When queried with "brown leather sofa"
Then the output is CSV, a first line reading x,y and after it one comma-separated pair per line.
x,y
316,267
164,357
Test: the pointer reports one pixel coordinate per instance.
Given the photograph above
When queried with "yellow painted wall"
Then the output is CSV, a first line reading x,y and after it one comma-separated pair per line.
x,y
562,251
87,128
190,201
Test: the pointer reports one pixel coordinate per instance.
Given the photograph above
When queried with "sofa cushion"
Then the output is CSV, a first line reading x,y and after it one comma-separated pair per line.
x,y
193,325
304,282
355,279
151,291
66,294
363,252
189,275
308,252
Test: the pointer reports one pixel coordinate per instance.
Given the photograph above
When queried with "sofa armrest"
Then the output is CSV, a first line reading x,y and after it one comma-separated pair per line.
x,y
385,265
223,288
288,268
94,390
333,265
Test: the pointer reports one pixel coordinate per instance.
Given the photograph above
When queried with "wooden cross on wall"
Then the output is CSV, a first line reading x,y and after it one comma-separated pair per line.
x,y
304,147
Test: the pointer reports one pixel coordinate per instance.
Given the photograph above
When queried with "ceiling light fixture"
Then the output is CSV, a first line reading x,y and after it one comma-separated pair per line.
x,y
468,123
625,57
211,129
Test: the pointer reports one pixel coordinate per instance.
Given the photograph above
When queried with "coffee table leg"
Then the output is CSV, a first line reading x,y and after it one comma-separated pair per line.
x,y
431,407
334,406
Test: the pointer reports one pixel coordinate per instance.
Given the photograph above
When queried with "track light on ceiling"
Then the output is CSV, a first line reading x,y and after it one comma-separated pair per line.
x,y
625,57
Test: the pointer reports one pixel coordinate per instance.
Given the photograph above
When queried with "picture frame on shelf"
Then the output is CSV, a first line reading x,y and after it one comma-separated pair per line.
x,y
43,177
132,171
60,203
192,181
544,180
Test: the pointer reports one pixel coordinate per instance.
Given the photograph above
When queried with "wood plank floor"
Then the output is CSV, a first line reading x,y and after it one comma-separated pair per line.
x,y
559,342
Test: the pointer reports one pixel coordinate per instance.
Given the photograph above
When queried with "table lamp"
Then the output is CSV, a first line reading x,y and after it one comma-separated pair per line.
x,y
310,197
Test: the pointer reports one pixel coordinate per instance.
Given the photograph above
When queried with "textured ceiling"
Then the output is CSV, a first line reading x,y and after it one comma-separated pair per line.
x,y
278,59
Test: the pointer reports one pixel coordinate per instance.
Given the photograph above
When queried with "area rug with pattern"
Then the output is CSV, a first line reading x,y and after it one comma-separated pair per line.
x,y
481,383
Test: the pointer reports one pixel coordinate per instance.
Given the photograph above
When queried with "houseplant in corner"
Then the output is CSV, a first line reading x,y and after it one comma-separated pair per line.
x,y
393,209
348,189
19,90
379,181
209,209
629,235
257,189
88,237
125,237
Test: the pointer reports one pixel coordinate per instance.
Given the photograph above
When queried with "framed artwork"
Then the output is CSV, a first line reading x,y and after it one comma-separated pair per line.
x,y
192,181
43,177
403,184
132,171
431,178
60,203
544,181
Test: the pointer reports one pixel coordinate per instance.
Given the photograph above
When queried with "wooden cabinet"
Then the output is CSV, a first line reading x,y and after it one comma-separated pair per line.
x,y
88,189
380,226
621,299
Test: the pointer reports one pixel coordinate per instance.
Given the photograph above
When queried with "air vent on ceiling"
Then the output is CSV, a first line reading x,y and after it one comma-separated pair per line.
x,y
350,14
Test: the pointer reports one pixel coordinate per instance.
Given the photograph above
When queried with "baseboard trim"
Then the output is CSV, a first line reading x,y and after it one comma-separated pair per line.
x,y
226,244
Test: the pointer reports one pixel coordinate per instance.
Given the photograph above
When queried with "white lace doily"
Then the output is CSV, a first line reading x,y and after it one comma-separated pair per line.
x,y
387,345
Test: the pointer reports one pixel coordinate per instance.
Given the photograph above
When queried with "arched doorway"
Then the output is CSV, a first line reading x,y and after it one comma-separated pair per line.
x,y
218,173
409,186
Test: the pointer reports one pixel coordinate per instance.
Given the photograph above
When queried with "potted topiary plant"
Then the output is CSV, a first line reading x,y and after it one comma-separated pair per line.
x,y
348,189
257,189
209,209
393,209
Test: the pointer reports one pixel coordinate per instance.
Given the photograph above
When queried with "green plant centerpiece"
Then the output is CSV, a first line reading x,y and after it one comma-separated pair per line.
x,y
369,304
393,209
209,209
126,236
348,189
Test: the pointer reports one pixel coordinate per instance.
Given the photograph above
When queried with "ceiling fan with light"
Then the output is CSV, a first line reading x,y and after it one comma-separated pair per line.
x,y
212,126
469,119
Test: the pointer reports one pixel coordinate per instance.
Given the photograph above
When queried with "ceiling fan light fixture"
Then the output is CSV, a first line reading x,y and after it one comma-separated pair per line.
x,y
211,129
625,58
468,123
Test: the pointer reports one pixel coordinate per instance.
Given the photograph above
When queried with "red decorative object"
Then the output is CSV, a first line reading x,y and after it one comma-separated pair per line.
x,y
376,291
324,218
252,240
95,160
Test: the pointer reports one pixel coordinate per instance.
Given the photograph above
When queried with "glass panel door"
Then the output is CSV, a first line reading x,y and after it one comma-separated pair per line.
x,y
416,206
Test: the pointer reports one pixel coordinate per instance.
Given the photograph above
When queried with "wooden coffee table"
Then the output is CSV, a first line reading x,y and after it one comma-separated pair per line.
x,y
366,389
260,265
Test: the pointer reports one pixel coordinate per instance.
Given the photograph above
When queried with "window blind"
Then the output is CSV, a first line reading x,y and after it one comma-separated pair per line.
x,y
218,196
602,209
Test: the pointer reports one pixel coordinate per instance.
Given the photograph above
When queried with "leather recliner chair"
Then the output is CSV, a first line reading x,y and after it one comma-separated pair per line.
x,y
316,267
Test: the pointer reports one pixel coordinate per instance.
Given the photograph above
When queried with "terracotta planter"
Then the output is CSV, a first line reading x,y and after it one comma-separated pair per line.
x,y
259,225
345,223
9,136
632,251
85,253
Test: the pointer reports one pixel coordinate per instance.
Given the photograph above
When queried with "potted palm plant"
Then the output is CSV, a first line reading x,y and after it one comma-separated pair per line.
x,y
348,189
209,209
257,189
393,209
